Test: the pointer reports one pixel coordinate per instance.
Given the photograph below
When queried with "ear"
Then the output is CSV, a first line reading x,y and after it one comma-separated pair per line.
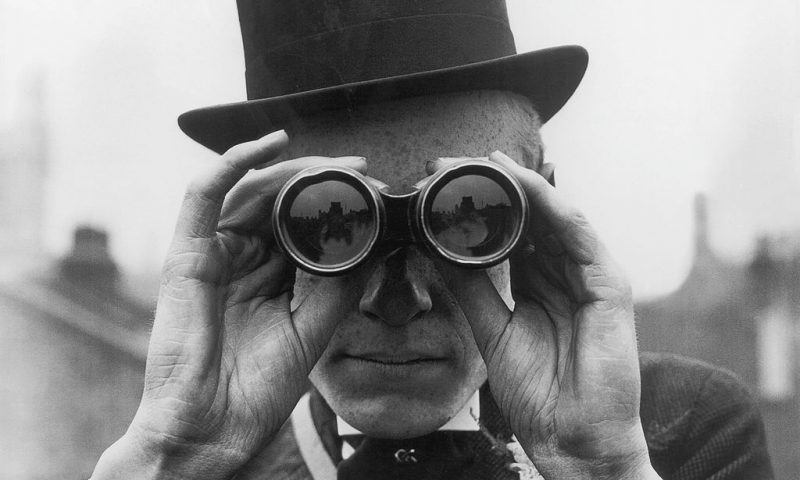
x,y
548,171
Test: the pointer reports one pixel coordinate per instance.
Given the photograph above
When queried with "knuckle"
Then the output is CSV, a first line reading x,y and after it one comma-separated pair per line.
x,y
198,263
231,162
194,187
610,287
197,194
577,219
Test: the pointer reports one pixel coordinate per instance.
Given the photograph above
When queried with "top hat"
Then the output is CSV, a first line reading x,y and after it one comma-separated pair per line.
x,y
307,56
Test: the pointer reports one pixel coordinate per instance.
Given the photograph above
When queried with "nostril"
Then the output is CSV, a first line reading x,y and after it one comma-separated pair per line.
x,y
396,304
396,294
370,315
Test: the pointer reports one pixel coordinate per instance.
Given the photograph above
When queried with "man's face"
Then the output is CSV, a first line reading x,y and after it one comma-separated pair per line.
x,y
403,360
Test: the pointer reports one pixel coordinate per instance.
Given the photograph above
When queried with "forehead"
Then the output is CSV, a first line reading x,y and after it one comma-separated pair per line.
x,y
398,137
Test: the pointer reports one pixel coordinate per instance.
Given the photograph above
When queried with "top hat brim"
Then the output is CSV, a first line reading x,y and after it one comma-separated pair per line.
x,y
547,77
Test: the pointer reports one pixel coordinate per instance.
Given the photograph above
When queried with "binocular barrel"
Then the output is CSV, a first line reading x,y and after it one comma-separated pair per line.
x,y
328,220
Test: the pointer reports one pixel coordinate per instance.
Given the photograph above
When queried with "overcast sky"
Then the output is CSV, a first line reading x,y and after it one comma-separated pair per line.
x,y
680,97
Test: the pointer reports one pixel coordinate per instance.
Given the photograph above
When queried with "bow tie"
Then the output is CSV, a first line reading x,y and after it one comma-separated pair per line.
x,y
442,455
438,456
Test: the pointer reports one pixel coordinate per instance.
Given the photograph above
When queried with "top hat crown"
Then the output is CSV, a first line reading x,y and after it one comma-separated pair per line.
x,y
306,56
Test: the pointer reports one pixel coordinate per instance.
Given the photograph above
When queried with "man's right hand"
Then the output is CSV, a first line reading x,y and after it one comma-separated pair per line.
x,y
228,359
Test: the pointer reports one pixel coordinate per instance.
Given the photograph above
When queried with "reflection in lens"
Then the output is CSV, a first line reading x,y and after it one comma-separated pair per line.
x,y
330,223
472,216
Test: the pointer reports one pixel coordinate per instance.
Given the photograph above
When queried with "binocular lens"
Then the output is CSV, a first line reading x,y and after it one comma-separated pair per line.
x,y
329,219
472,217
328,224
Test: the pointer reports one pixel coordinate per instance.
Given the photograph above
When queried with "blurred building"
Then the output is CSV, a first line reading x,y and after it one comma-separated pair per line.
x,y
744,317
73,335
72,346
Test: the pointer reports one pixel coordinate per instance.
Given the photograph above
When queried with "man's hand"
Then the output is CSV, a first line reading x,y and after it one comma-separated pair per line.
x,y
563,366
228,360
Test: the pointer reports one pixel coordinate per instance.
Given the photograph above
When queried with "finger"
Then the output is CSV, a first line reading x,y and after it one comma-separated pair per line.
x,y
248,206
570,228
199,213
378,184
279,348
251,273
548,171
480,302
536,276
433,166
268,282
315,318
570,265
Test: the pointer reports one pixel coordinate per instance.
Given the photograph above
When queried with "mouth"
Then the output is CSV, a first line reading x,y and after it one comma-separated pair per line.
x,y
395,360
396,371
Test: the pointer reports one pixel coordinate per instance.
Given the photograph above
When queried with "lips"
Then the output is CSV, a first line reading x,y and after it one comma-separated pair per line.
x,y
409,358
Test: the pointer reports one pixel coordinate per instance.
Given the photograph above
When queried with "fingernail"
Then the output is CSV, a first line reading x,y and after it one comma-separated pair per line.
x,y
377,183
279,138
355,162
499,156
276,134
432,165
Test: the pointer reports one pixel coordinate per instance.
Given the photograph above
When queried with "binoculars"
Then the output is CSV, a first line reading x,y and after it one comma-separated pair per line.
x,y
328,220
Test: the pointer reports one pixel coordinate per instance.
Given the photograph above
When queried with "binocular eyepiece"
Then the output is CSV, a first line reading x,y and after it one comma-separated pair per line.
x,y
328,220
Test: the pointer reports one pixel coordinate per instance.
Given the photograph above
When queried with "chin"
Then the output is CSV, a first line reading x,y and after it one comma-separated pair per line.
x,y
399,417
394,400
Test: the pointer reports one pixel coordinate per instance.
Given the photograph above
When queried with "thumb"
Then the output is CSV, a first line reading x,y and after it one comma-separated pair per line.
x,y
318,314
480,302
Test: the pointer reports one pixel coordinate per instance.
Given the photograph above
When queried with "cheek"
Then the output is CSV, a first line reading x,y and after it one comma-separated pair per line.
x,y
473,368
500,275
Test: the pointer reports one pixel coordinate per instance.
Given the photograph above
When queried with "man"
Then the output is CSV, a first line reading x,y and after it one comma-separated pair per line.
x,y
420,369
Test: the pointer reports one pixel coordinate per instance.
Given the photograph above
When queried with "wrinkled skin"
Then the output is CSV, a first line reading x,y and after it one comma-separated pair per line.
x,y
229,355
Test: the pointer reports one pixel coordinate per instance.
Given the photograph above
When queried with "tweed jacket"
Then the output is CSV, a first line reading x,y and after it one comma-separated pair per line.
x,y
699,423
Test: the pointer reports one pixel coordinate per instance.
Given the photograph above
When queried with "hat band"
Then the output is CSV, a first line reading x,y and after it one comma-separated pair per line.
x,y
377,50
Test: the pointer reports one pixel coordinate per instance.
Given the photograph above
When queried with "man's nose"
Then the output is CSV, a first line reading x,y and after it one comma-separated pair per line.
x,y
397,290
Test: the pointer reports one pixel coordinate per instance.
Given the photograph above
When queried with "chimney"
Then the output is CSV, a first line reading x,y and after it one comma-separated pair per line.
x,y
89,262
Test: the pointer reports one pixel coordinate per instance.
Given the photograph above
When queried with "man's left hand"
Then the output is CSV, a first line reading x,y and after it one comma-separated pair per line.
x,y
563,365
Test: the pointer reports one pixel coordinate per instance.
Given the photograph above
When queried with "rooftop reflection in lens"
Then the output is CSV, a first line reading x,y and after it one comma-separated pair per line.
x,y
472,216
330,223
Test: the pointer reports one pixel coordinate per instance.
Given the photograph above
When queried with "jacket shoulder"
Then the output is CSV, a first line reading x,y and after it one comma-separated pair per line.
x,y
700,421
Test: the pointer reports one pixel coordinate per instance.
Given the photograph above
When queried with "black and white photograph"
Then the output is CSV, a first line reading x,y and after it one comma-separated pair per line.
x,y
399,239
